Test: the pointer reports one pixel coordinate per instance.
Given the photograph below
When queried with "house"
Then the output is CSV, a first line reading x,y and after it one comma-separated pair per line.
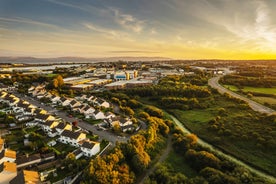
x,y
125,123
102,103
7,172
78,153
81,98
40,111
44,117
63,126
55,99
98,115
109,115
47,126
90,148
7,156
64,101
26,177
72,138
90,98
74,104
88,110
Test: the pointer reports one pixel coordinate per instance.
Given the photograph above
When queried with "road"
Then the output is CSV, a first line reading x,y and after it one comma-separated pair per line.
x,y
82,124
220,153
213,82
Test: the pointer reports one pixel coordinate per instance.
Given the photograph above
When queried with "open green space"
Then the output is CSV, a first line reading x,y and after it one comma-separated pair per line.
x,y
271,91
263,100
237,130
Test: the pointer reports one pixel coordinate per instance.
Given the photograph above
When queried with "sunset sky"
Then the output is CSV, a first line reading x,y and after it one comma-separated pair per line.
x,y
180,29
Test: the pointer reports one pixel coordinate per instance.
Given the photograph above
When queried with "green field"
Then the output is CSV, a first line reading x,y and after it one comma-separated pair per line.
x,y
260,90
262,100
238,131
271,91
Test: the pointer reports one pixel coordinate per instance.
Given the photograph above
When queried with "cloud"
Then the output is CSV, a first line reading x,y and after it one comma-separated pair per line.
x,y
27,21
128,21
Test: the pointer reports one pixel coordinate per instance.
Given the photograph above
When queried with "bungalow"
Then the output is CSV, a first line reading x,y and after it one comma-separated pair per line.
x,y
49,125
102,103
124,123
98,115
63,126
7,156
72,138
74,104
90,148
55,99
88,110
109,115
44,117
64,101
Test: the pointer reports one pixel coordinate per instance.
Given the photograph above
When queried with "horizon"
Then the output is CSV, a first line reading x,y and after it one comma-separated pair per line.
x,y
179,30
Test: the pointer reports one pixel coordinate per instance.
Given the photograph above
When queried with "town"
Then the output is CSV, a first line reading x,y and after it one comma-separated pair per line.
x,y
57,119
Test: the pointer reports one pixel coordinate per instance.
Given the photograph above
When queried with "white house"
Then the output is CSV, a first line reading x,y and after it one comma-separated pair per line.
x,y
90,148
72,138
88,110
102,103
74,104
63,126
65,101
98,115
55,99
124,123
49,125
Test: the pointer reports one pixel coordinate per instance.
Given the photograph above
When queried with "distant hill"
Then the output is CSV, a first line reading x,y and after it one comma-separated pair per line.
x,y
32,60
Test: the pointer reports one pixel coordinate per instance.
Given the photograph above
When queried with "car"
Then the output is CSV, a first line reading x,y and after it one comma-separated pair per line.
x,y
70,116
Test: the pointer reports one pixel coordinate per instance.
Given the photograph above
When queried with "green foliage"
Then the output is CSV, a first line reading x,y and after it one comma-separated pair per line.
x,y
154,111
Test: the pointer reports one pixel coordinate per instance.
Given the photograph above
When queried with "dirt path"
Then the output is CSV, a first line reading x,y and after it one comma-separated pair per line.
x,y
162,158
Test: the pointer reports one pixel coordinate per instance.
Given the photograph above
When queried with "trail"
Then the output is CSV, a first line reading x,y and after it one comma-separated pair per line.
x,y
162,158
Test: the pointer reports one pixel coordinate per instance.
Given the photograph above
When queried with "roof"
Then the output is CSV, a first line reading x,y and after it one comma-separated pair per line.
x,y
86,108
2,142
25,159
71,134
10,154
61,126
8,166
88,145
29,177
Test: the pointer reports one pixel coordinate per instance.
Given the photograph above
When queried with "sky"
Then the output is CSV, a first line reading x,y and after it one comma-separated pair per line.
x,y
178,29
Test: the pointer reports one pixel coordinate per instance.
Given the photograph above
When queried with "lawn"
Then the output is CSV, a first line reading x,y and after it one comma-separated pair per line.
x,y
64,148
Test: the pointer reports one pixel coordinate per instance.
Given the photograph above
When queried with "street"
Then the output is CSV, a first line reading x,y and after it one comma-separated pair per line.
x,y
109,136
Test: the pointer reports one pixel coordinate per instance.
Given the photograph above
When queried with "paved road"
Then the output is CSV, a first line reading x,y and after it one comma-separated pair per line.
x,y
229,157
213,82
84,125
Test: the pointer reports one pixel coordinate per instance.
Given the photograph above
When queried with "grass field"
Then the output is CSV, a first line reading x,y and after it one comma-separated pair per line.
x,y
252,89
262,100
245,132
260,90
